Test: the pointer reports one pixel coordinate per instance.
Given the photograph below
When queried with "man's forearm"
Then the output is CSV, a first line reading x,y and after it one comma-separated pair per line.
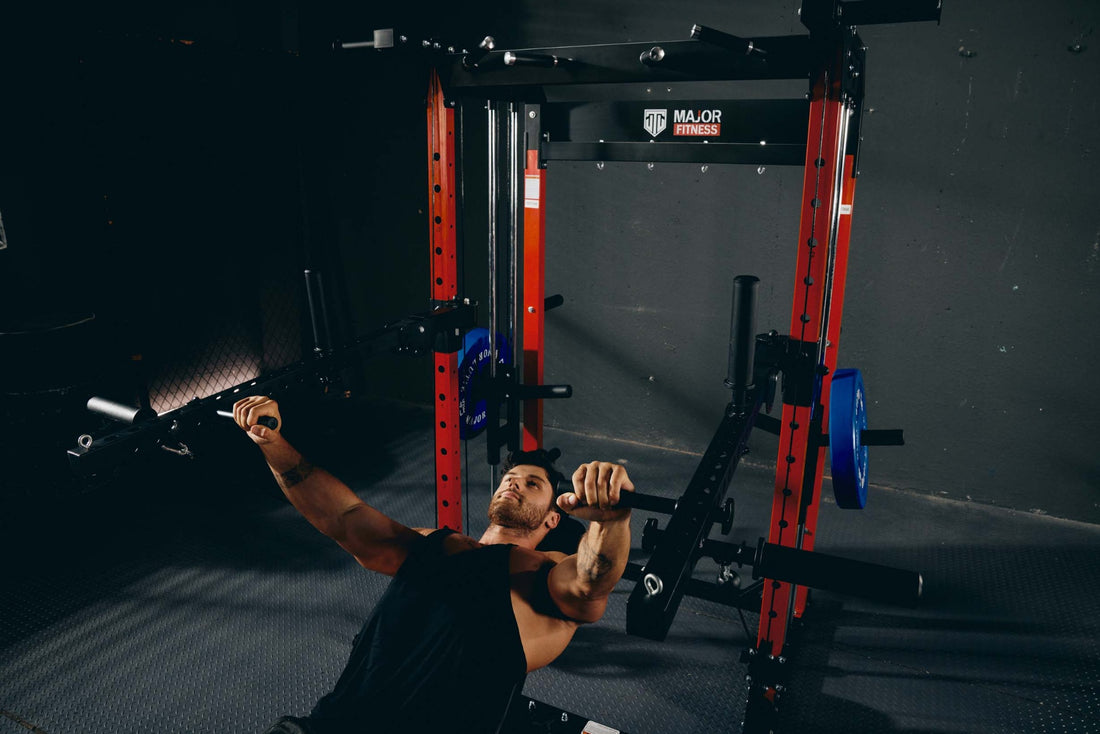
x,y
602,556
320,497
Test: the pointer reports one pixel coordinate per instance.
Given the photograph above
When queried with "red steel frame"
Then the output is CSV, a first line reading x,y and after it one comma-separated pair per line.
x,y
534,292
828,194
444,260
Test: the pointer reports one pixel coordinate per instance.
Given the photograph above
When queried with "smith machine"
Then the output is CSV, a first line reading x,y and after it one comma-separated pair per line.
x,y
823,408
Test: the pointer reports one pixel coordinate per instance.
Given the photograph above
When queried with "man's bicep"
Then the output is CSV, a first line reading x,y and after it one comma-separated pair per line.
x,y
567,591
377,541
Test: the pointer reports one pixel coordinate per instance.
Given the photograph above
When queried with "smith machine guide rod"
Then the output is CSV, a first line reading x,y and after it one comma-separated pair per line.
x,y
820,133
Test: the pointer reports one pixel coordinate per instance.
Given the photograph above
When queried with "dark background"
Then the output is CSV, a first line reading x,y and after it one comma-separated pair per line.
x,y
173,169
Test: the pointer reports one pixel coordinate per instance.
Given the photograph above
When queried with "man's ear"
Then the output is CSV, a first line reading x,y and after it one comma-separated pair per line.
x,y
553,517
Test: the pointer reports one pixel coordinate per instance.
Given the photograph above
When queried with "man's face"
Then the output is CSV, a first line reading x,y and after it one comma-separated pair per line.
x,y
523,498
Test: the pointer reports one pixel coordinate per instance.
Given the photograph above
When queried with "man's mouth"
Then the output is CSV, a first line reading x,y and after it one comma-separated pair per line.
x,y
509,493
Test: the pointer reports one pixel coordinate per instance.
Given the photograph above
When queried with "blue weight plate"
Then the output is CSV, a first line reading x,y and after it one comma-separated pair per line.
x,y
473,380
847,418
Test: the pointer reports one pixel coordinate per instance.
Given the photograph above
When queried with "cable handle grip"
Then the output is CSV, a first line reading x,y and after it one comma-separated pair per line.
x,y
647,502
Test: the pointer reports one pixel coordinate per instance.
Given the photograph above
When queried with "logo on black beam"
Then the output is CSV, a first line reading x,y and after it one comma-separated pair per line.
x,y
655,121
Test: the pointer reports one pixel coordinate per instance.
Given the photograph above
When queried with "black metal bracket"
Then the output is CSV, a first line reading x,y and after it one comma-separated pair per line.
x,y
439,330
796,360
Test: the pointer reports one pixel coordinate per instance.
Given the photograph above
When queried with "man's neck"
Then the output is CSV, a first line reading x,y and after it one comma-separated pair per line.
x,y
498,534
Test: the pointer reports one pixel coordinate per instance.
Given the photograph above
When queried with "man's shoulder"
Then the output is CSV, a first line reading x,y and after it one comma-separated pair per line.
x,y
453,542
530,559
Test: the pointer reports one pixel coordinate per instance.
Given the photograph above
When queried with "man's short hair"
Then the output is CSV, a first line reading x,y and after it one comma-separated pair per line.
x,y
540,458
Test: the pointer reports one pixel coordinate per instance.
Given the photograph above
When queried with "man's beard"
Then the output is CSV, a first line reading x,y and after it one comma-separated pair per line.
x,y
516,513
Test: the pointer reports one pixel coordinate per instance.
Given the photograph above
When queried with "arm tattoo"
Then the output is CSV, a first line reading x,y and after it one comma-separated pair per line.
x,y
297,475
591,565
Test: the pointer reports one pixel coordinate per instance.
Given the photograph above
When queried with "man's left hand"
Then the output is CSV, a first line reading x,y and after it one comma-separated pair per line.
x,y
596,490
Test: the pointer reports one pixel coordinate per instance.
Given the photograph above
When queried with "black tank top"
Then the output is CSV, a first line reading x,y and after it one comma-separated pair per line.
x,y
441,651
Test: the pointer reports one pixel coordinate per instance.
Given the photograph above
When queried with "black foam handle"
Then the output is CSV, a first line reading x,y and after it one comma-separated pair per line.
x,y
842,575
742,336
647,502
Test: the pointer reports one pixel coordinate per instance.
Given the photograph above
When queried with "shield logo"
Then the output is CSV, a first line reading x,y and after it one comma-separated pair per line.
x,y
655,121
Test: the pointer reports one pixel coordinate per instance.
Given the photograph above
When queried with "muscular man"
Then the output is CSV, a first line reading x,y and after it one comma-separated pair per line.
x,y
463,620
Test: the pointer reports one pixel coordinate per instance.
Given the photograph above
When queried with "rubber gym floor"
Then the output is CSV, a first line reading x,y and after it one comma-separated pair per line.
x,y
201,602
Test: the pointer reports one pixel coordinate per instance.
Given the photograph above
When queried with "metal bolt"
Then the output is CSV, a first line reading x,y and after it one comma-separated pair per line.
x,y
530,705
649,166
531,114
599,165
703,168
530,309
782,659
564,717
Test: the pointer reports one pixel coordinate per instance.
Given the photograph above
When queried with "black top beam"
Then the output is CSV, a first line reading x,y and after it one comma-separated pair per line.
x,y
786,57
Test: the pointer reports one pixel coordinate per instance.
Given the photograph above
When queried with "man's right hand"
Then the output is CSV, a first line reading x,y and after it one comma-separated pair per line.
x,y
248,411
